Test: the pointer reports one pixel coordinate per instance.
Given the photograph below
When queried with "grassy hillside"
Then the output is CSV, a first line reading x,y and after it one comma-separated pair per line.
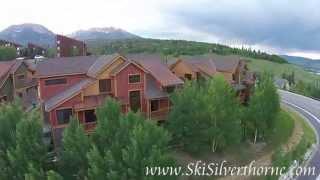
x,y
260,65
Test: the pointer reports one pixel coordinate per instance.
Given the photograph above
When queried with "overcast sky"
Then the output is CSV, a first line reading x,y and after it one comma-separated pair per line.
x,y
279,26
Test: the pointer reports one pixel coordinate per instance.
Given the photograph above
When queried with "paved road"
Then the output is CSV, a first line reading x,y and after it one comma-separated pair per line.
x,y
309,108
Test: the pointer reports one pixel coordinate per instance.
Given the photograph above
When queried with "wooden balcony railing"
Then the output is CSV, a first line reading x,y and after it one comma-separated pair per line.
x,y
89,127
161,114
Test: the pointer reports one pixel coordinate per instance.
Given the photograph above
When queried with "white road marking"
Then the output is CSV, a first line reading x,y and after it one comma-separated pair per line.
x,y
309,113
304,110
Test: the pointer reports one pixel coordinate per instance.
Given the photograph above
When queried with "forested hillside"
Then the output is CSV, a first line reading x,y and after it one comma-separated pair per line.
x,y
174,48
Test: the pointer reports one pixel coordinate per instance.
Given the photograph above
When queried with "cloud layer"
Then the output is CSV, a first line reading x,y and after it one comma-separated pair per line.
x,y
291,25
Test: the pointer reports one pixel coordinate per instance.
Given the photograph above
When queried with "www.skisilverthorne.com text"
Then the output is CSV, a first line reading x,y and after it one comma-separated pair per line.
x,y
200,168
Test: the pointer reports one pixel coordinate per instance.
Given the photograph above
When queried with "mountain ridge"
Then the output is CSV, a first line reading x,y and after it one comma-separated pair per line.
x,y
103,33
40,35
28,33
312,65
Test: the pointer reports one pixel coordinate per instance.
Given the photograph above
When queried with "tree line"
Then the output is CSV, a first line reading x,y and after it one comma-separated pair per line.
x,y
205,114
310,89
210,115
7,53
175,48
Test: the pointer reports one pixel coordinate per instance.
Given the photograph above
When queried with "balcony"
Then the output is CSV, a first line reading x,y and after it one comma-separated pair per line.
x,y
160,115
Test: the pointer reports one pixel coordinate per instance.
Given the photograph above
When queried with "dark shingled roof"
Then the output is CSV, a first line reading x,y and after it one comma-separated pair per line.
x,y
152,91
221,63
206,66
225,63
65,66
69,93
157,69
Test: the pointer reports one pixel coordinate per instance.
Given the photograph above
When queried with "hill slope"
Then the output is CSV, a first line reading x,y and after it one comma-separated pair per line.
x,y
308,64
25,33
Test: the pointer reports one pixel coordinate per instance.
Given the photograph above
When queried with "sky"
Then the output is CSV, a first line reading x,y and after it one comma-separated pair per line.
x,y
276,26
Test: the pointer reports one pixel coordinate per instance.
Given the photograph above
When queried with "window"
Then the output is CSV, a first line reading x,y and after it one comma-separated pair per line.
x,y
58,48
58,42
55,81
170,89
188,76
105,85
90,116
154,105
20,77
63,116
135,100
134,78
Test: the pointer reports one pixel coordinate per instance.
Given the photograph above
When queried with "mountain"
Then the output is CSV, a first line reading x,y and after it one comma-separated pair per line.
x,y
308,64
108,33
25,33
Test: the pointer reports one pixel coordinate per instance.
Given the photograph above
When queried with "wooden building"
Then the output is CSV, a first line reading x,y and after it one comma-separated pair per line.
x,y
78,85
16,80
233,69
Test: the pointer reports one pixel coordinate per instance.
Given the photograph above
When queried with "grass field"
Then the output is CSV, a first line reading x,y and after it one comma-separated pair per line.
x,y
281,158
277,69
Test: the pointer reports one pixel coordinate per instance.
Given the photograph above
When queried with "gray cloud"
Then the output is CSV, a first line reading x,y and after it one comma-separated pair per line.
x,y
283,24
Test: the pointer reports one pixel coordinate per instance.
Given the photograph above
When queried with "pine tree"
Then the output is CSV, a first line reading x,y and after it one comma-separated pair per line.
x,y
76,145
30,151
10,115
108,122
187,117
135,143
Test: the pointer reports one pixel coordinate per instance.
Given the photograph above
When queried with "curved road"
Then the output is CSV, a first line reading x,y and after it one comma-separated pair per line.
x,y
310,109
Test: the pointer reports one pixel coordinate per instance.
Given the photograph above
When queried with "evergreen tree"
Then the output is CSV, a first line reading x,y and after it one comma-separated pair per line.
x,y
108,122
7,53
134,144
187,118
30,151
10,115
74,163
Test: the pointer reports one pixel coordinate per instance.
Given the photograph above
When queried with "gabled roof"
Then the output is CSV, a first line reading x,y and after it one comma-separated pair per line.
x,y
226,63
5,71
212,63
7,68
65,66
206,66
101,62
66,94
156,68
122,66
